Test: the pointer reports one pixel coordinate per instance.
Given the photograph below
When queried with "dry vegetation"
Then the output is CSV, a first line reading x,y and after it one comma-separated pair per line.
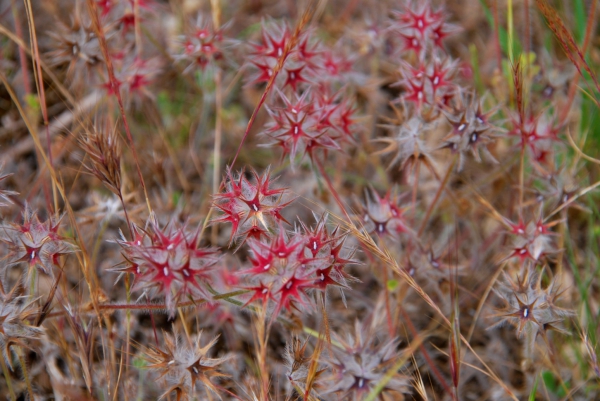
x,y
313,200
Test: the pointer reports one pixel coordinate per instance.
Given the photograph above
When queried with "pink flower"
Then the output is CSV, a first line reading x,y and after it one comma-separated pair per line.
x,y
169,263
34,243
252,207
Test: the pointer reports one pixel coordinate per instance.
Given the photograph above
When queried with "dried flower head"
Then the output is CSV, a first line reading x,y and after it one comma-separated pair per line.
x,y
530,308
472,130
77,46
408,143
186,367
362,362
383,216
16,315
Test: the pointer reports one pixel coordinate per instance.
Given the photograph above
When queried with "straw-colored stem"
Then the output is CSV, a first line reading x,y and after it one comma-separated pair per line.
x,y
23,363
7,377
217,145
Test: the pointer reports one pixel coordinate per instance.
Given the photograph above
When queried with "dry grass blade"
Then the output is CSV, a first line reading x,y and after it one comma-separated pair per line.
x,y
455,342
313,370
406,355
48,71
418,384
579,151
84,339
47,305
517,70
572,51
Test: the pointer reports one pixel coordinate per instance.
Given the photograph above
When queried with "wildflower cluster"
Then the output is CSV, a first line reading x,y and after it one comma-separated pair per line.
x,y
431,89
316,114
429,81
168,262
285,267
313,121
425,200
80,47
302,57
420,28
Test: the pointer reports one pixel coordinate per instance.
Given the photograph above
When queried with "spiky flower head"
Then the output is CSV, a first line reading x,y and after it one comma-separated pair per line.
x,y
531,309
34,243
362,362
286,269
536,133
472,129
168,262
16,321
300,59
252,206
316,120
429,86
383,216
187,367
421,28
202,46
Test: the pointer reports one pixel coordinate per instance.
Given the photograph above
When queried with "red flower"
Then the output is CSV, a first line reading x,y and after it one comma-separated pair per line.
x,y
250,205
168,262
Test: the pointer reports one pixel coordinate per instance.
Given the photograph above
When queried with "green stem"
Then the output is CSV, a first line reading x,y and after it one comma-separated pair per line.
x,y
509,17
